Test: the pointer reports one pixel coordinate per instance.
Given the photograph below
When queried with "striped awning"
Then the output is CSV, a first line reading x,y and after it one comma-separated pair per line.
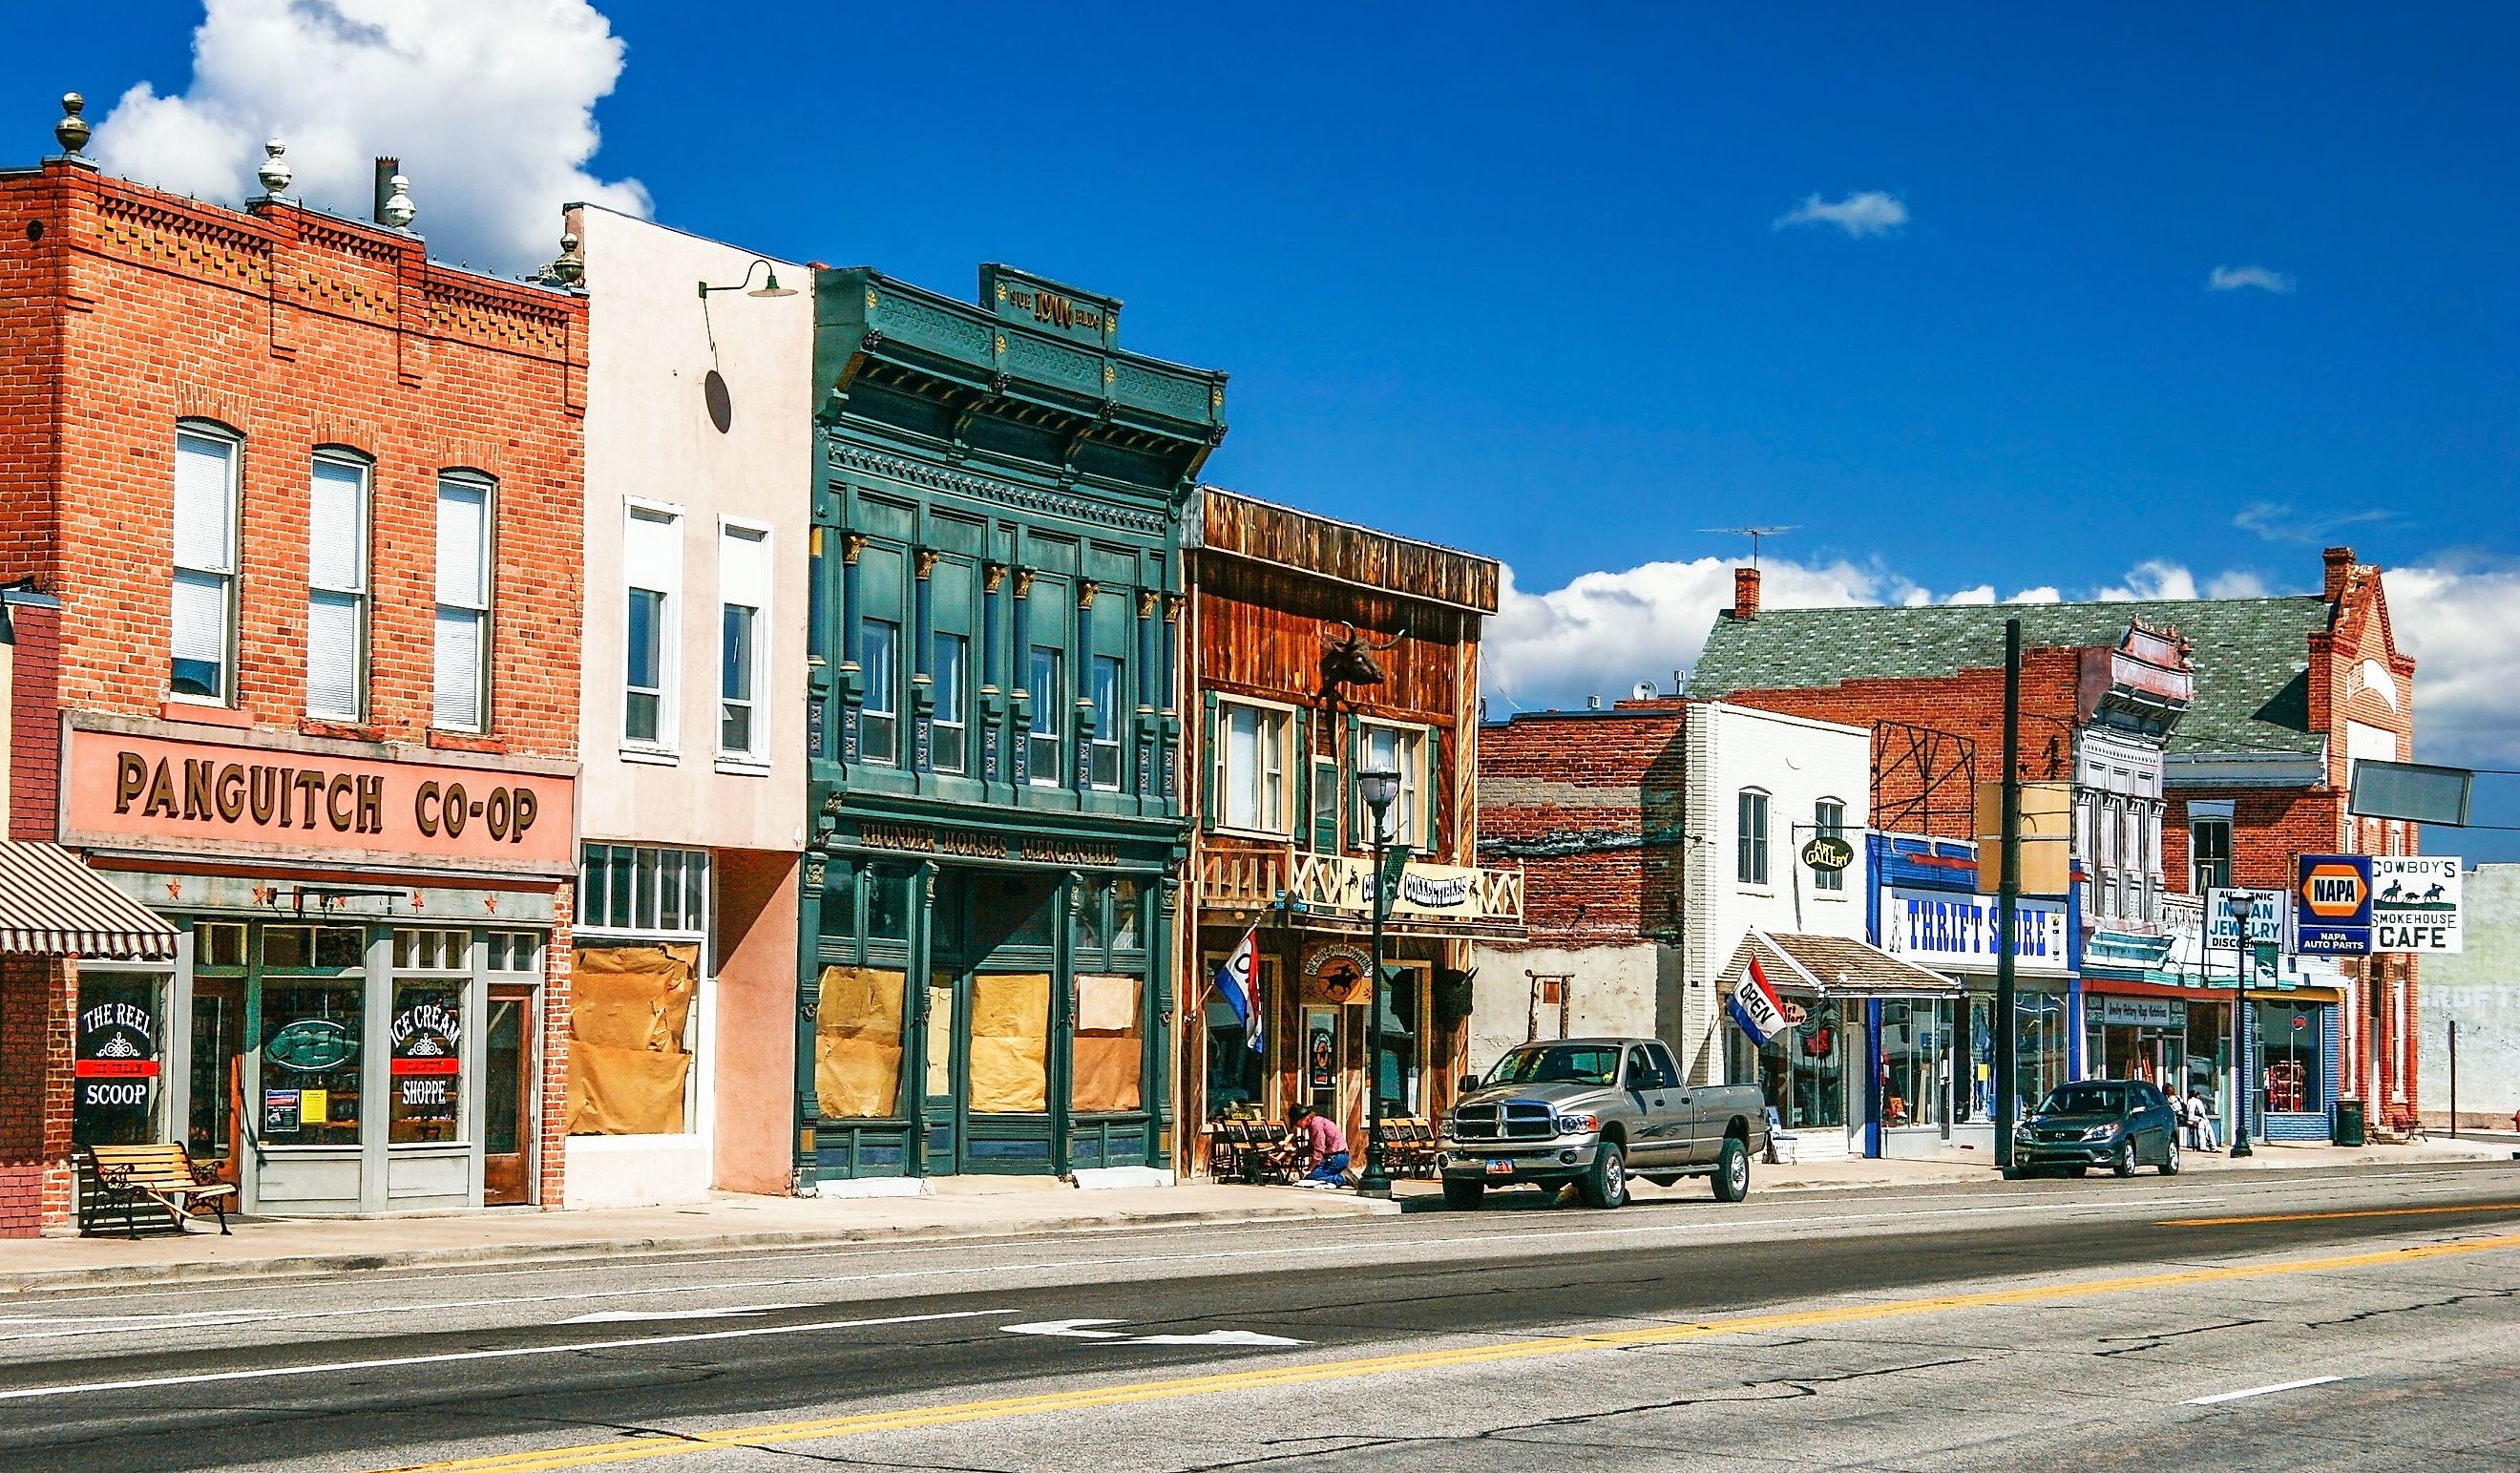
x,y
52,905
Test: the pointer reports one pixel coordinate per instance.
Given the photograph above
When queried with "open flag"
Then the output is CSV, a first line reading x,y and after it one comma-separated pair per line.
x,y
1241,993
1755,1006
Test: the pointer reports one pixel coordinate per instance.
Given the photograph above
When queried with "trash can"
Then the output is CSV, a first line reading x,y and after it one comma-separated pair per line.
x,y
2349,1128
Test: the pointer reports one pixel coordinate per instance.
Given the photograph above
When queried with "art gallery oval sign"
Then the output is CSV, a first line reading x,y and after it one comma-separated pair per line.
x,y
1829,852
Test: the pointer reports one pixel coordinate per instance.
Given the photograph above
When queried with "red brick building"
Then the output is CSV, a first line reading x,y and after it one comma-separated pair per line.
x,y
300,510
2287,694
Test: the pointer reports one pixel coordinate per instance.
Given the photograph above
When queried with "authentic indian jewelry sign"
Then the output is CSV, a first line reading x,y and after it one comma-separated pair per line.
x,y
169,793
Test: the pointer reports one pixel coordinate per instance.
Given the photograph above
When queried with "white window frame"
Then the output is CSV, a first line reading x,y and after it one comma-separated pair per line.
x,y
358,591
1406,823
1046,725
664,581
481,609
734,533
1748,846
1267,716
1110,741
228,576
953,706
896,752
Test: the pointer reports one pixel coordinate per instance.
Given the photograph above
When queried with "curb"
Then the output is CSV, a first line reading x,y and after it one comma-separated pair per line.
x,y
586,1250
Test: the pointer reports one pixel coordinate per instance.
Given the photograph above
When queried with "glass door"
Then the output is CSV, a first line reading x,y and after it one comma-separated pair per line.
x,y
507,1098
213,1137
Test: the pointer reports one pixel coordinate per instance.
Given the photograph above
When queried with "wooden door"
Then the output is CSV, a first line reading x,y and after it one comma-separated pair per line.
x,y
507,1124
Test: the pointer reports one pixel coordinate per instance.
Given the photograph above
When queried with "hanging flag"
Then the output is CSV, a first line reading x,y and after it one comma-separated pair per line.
x,y
1241,993
1755,1006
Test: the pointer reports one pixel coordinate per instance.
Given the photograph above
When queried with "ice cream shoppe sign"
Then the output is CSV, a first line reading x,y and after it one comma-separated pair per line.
x,y
300,799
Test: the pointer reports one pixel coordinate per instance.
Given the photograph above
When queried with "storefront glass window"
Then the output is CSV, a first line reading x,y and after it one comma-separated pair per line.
x,y
887,907
1124,917
115,1065
427,1038
1915,1041
2288,1049
311,1033
1802,1071
314,946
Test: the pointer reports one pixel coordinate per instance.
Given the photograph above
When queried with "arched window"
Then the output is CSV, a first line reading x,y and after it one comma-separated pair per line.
x,y
1750,837
1829,821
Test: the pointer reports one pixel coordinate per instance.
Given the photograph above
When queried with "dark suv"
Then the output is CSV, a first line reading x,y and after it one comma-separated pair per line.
x,y
2117,1123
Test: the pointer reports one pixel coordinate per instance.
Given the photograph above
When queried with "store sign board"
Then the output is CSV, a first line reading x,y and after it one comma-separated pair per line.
x,y
157,793
2266,918
1956,928
2332,905
2415,903
2143,1012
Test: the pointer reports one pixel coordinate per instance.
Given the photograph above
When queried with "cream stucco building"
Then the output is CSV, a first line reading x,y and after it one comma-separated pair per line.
x,y
699,438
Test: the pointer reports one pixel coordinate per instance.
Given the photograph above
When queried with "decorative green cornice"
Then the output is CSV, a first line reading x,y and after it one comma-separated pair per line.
x,y
847,456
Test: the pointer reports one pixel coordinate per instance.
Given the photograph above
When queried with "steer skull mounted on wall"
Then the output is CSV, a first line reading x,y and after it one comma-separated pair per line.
x,y
1349,660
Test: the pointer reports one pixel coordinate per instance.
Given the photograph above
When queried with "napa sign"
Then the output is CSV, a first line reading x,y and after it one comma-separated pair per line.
x,y
1944,929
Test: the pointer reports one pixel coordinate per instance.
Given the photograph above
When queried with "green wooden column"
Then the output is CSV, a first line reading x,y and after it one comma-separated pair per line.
x,y
809,997
1162,1109
1064,899
916,999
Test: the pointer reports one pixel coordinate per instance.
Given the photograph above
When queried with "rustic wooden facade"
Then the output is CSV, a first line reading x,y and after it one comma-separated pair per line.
x,y
1322,649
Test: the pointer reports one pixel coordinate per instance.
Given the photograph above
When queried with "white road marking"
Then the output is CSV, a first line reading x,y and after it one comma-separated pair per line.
x,y
1073,1329
389,1362
1215,1337
1693,1227
1077,1330
2260,1390
622,1316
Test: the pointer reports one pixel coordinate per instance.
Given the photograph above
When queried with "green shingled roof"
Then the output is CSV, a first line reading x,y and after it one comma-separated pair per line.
x,y
2252,655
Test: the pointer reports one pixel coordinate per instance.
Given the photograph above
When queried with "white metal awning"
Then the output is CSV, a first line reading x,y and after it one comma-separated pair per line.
x,y
52,905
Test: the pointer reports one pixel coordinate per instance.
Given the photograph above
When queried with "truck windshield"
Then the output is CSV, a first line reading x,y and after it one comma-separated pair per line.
x,y
1557,1064
2083,1100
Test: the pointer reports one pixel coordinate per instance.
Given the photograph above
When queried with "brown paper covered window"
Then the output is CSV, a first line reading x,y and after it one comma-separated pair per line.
x,y
1011,1044
627,1062
857,1043
1110,1050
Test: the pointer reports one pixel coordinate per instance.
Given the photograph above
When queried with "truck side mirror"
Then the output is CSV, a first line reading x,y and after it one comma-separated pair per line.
x,y
1470,1082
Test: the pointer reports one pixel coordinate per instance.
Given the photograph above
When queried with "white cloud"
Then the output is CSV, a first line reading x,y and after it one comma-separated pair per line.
x,y
2151,579
490,107
2281,522
2239,583
2238,278
1605,631
1868,213
2044,593
2463,628
1984,593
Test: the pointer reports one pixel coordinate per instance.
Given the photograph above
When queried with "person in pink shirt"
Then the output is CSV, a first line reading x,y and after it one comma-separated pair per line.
x,y
1326,1146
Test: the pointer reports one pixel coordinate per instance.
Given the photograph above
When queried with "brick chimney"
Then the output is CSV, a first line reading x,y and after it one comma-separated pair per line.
x,y
1746,593
2340,566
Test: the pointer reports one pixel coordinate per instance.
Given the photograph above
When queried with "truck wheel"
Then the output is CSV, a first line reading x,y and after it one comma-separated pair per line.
x,y
1606,1184
2124,1165
1464,1197
1732,1179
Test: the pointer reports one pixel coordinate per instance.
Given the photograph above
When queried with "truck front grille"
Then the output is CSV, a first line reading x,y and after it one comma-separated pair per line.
x,y
1528,1120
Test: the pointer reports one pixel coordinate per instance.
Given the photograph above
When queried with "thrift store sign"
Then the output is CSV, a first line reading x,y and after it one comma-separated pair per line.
x,y
1939,929
159,792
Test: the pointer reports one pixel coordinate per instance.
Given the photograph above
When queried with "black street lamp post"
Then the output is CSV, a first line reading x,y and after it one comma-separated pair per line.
x,y
2241,904
1378,789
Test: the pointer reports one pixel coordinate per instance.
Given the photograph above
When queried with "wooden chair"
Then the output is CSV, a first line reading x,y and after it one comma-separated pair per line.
x,y
125,1177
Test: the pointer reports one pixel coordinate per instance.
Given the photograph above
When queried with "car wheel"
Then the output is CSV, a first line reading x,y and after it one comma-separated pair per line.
x,y
1732,1179
2124,1165
2079,1172
1464,1197
2015,1172
2169,1158
1606,1184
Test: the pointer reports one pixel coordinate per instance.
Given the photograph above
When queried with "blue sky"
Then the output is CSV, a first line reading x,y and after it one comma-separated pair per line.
x,y
1514,278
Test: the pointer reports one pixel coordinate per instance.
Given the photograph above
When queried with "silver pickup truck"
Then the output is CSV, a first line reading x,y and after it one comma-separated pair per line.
x,y
1594,1111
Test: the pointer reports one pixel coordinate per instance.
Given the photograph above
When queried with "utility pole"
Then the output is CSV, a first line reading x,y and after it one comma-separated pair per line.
x,y
2007,901
2453,1078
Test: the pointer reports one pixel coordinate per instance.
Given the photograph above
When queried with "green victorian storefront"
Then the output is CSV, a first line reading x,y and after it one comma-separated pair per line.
x,y
991,884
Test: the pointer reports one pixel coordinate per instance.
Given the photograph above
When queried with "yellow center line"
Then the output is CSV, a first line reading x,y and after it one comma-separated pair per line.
x,y
639,1450
2321,1217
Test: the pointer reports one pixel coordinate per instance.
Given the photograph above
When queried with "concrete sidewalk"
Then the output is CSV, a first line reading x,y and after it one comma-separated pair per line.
x,y
950,1208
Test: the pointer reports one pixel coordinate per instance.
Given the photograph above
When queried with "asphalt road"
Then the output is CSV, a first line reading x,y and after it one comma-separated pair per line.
x,y
2066,1323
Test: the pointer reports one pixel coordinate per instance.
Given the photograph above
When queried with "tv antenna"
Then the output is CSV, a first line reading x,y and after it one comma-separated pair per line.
x,y
1753,533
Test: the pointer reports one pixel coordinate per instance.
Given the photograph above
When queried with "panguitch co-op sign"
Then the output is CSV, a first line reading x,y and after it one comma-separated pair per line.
x,y
161,792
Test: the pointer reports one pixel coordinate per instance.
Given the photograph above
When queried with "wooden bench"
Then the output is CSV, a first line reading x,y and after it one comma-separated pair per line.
x,y
126,1178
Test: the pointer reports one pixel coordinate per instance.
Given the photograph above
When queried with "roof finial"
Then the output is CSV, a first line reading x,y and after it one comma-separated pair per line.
x,y
275,172
569,268
72,130
398,210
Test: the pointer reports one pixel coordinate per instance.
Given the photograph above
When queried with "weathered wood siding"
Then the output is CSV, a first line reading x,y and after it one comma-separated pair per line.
x,y
1351,555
